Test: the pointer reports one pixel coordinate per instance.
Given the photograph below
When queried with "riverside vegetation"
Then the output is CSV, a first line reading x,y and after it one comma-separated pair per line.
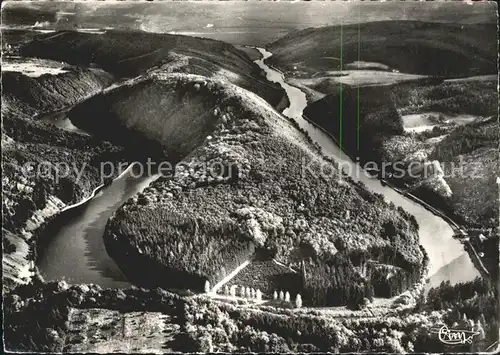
x,y
30,199
382,136
468,197
28,136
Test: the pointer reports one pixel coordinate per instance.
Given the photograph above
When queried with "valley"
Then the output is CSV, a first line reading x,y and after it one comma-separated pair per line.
x,y
259,227
439,251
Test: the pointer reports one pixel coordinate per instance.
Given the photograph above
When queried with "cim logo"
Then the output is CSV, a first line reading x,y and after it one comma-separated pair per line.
x,y
456,336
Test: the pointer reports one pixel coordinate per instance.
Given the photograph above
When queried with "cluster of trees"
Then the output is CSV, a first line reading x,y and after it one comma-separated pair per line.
x,y
244,292
465,139
35,315
194,251
335,283
232,328
389,281
477,97
408,332
356,279
436,131
210,326
285,297
472,304
268,276
378,119
472,298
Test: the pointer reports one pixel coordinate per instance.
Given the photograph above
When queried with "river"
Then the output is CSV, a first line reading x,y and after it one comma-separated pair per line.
x,y
76,252
448,259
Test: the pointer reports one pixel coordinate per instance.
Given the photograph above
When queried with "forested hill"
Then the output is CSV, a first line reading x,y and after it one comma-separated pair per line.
x,y
130,53
194,226
408,46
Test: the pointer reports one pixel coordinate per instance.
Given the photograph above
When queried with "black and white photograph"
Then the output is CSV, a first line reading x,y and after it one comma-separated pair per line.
x,y
250,176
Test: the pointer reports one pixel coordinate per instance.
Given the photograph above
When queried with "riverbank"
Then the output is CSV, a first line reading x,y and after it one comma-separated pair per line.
x,y
76,251
451,164
50,231
35,187
240,128
442,250
459,231
398,185
456,227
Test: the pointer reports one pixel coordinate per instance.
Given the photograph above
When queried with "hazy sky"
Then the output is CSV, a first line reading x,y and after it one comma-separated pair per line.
x,y
295,13
270,18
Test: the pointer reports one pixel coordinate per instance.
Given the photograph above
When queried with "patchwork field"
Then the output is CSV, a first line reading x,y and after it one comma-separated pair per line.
x,y
105,331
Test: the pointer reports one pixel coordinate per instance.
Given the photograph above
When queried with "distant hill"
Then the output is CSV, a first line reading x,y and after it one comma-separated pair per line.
x,y
130,53
13,16
440,49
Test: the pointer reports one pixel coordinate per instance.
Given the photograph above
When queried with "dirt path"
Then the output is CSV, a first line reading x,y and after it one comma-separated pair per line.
x,y
229,277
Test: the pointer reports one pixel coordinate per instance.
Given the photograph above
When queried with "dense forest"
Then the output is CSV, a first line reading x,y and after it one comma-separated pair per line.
x,y
475,97
31,197
277,331
334,284
202,103
204,226
469,305
360,119
182,247
131,53
356,279
466,139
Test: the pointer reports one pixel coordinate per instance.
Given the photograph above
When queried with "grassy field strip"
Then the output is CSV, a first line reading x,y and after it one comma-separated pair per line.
x,y
229,277
107,331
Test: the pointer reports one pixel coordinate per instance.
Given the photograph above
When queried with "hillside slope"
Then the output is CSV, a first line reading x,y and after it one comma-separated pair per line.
x,y
408,46
371,123
360,119
128,54
31,197
24,96
199,223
